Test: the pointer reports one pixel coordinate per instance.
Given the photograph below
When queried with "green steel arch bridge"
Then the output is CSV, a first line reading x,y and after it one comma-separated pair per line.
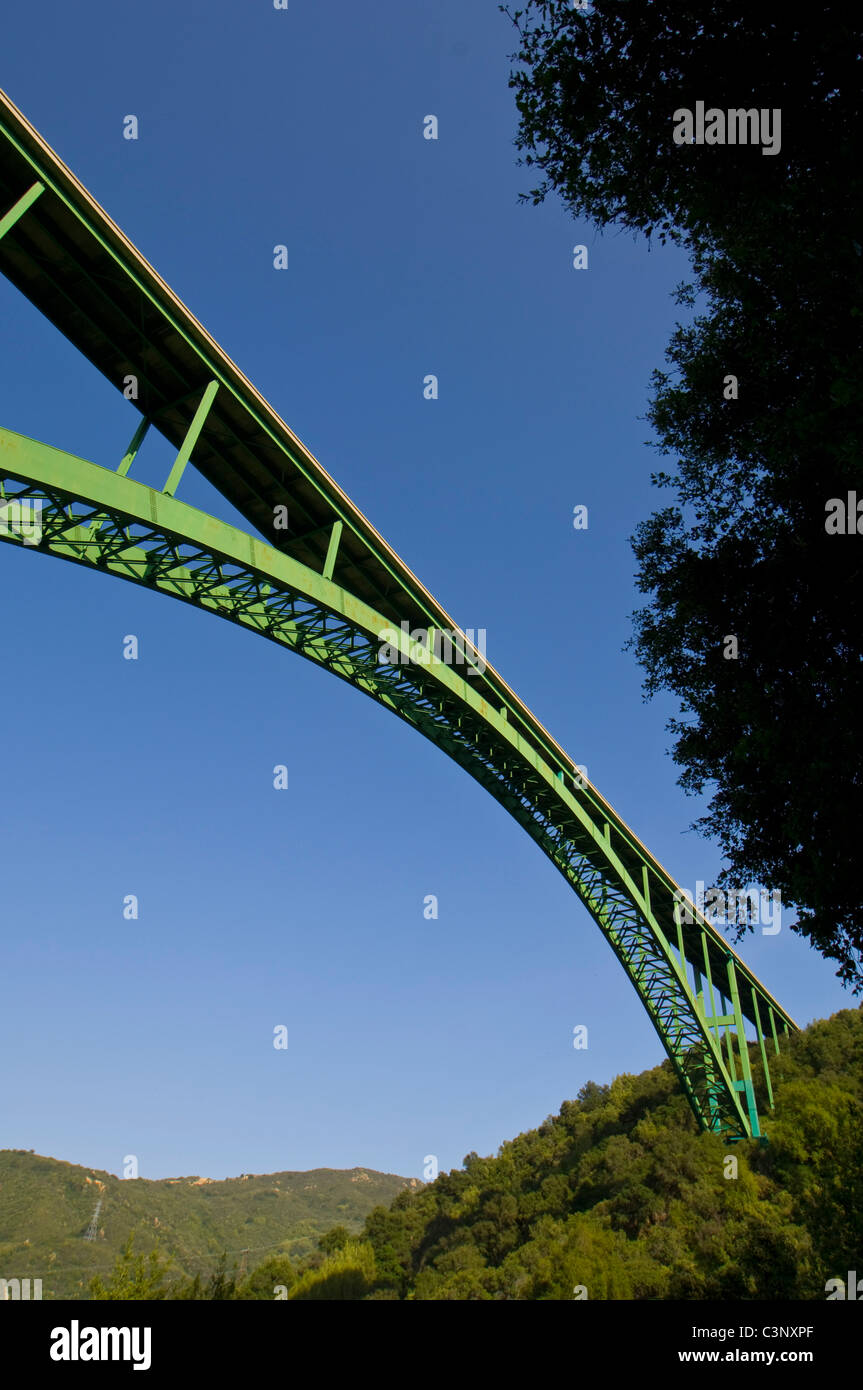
x,y
327,586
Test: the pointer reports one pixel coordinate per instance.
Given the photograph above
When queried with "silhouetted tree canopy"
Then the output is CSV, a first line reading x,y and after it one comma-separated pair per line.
x,y
775,733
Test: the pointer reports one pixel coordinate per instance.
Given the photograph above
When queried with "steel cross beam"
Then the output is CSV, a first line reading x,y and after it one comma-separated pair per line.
x,y
696,990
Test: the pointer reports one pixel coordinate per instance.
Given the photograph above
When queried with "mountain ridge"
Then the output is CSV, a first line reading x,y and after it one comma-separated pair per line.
x,y
47,1205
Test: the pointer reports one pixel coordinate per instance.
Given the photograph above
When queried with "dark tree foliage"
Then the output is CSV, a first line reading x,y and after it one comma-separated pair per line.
x,y
336,1238
775,735
219,1286
276,1273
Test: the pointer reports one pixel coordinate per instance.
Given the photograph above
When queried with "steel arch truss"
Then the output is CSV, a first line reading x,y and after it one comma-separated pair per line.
x,y
696,990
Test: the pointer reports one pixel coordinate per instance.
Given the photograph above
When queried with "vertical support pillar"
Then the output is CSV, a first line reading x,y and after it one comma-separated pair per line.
x,y
729,1048
679,927
746,1083
131,453
709,1071
332,549
645,886
713,1018
708,973
191,439
762,1047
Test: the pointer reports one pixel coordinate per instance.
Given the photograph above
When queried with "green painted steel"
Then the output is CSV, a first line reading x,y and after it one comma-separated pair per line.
x,y
96,517
18,209
329,587
192,436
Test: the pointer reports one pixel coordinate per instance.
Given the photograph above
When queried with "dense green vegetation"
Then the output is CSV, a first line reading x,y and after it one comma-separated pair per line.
x,y
620,1194
46,1207
617,1197
760,410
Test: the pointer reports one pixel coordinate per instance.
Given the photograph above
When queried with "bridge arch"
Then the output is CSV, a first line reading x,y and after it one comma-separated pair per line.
x,y
693,986
327,586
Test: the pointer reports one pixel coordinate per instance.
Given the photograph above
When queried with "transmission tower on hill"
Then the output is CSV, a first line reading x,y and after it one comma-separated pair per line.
x,y
93,1227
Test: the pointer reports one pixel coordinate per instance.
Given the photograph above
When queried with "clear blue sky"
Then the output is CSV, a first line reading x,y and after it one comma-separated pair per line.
x,y
407,1037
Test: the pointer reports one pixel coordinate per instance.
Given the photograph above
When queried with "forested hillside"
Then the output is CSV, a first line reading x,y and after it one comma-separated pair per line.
x,y
619,1196
46,1207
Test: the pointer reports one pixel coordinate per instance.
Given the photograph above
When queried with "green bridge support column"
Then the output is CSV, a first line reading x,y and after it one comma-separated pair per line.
x,y
7,222
191,439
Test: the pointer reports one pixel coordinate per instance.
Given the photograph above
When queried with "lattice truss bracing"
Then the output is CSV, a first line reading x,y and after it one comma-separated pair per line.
x,y
329,588
689,981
